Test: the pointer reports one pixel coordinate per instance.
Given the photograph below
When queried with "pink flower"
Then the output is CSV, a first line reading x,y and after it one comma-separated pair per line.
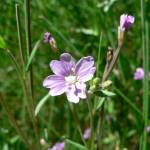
x,y
126,21
139,74
58,146
69,77
148,129
87,133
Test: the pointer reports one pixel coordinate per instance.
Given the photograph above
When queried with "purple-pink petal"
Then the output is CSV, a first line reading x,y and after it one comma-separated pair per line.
x,y
84,68
60,68
126,21
72,94
65,57
56,84
87,133
139,74
87,74
81,89
148,129
58,146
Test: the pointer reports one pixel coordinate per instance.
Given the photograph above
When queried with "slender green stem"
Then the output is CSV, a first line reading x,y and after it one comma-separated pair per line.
x,y
20,40
27,28
14,123
144,136
91,122
28,45
29,77
99,54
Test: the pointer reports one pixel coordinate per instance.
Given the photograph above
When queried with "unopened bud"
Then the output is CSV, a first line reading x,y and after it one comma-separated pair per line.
x,y
49,39
93,88
106,84
53,44
42,142
96,81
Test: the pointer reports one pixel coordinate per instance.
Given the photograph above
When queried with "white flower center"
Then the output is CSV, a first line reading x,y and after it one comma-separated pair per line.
x,y
70,79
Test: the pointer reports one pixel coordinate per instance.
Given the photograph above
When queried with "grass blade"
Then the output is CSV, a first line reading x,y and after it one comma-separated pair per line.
x,y
32,54
76,145
41,103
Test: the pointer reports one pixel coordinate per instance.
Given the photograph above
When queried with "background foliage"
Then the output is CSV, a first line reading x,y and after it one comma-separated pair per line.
x,y
76,26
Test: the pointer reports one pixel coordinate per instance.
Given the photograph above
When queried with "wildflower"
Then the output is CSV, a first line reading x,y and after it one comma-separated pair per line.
x,y
87,133
58,146
148,129
126,21
139,74
69,77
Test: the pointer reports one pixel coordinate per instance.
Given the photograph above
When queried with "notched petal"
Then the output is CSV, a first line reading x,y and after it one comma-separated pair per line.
x,y
65,57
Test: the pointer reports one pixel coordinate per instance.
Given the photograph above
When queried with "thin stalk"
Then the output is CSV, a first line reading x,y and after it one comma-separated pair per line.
x,y
91,122
99,54
73,111
145,47
14,123
108,71
29,77
144,135
28,45
20,40
27,28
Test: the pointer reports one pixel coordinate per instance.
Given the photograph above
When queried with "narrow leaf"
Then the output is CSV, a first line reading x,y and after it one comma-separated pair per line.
x,y
108,93
100,102
2,43
76,145
33,54
41,103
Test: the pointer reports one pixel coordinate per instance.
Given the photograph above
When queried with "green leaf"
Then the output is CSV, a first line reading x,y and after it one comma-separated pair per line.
x,y
41,103
32,54
2,43
108,93
100,102
14,139
76,145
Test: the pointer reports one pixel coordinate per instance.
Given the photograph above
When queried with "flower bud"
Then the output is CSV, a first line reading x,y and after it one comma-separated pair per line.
x,y
93,88
96,81
126,21
106,84
49,39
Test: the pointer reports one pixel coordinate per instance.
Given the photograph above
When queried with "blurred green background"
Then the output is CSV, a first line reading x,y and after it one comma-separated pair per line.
x,y
76,26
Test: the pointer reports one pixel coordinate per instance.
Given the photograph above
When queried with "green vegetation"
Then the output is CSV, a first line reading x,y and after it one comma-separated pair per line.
x,y
81,28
